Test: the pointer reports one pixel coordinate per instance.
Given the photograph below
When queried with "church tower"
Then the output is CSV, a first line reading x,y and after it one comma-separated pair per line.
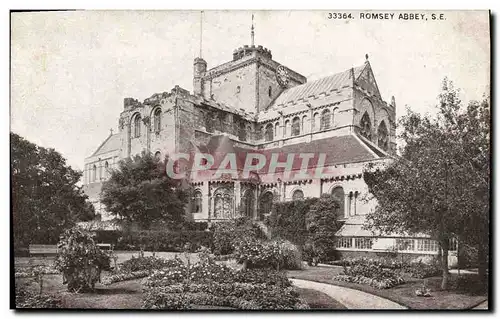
x,y
249,82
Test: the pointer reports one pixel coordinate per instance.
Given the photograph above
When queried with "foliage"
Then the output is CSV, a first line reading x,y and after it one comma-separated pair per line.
x,y
277,254
383,283
173,241
141,191
288,220
124,276
440,185
148,263
208,283
413,268
228,235
322,224
80,260
34,271
26,298
45,196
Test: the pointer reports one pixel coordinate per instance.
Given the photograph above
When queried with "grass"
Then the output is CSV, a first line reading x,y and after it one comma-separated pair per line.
x,y
464,292
128,295
319,300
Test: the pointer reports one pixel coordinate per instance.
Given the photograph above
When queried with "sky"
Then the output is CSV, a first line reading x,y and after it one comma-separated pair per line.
x,y
70,71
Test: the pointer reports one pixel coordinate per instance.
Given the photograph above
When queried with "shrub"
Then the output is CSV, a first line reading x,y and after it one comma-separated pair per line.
x,y
322,224
288,220
274,254
228,235
174,241
80,260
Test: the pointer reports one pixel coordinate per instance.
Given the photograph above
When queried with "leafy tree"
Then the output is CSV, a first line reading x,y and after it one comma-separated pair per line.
x,y
322,222
140,191
440,183
45,196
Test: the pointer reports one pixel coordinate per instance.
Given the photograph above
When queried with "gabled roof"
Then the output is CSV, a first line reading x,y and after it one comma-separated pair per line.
x,y
112,143
323,85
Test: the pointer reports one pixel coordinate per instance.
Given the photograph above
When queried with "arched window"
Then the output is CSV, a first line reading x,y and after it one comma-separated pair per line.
x,y
223,203
242,133
339,196
315,123
137,125
276,129
266,203
269,132
198,202
238,89
158,155
298,195
247,204
94,173
305,127
296,126
366,126
270,91
325,120
383,138
106,169
157,120
286,129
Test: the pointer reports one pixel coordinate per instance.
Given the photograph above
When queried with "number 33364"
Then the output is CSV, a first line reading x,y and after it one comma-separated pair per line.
x,y
339,15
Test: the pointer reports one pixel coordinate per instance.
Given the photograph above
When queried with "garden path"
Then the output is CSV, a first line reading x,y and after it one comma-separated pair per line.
x,y
351,298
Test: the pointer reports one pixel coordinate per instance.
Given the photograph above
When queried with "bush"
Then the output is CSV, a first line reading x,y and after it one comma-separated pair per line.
x,y
80,260
274,254
174,241
288,220
322,224
228,235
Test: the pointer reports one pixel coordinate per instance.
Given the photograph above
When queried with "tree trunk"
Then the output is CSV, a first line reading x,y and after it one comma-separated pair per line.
x,y
444,263
482,262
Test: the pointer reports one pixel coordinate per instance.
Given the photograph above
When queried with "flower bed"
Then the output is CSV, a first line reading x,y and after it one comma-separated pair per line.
x,y
209,283
415,269
140,267
365,271
384,283
33,271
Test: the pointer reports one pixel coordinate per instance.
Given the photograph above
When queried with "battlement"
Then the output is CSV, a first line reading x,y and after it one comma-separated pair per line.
x,y
248,50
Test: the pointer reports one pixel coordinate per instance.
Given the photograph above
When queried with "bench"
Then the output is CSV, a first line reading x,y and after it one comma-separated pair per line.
x,y
105,247
43,250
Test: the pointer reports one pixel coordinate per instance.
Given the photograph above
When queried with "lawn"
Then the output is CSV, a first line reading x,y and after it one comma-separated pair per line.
x,y
128,295
464,292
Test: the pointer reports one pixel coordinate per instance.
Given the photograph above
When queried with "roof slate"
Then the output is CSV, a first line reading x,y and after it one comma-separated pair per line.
x,y
323,85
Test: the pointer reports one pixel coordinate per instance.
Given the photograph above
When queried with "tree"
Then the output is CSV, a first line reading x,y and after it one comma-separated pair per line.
x,y
440,183
140,191
45,196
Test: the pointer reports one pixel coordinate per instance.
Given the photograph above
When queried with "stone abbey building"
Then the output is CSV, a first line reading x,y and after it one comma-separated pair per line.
x,y
252,103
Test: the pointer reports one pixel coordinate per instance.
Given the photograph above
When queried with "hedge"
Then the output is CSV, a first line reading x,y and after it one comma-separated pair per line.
x,y
175,241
